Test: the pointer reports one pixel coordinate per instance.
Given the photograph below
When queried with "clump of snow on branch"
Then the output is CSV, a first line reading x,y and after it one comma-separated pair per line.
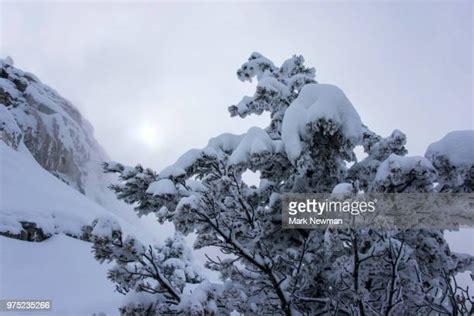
x,y
457,147
453,157
162,187
396,173
318,102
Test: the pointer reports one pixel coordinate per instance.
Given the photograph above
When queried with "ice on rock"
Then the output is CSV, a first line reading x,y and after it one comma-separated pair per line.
x,y
456,146
315,102
162,187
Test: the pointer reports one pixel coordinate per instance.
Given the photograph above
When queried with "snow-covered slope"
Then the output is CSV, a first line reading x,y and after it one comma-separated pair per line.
x,y
60,269
36,123
55,133
31,194
53,190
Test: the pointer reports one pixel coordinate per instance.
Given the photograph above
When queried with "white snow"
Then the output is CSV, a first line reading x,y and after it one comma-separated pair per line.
x,y
138,299
10,133
240,147
62,141
255,141
30,193
171,171
162,187
187,159
104,227
9,61
456,146
315,102
402,163
198,300
242,106
271,83
253,67
9,87
226,142
342,188
61,269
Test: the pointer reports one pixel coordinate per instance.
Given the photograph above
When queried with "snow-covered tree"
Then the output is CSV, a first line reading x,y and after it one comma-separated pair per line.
x,y
453,157
154,278
307,148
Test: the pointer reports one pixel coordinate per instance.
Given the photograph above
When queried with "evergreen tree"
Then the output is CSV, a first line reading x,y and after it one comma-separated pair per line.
x,y
307,148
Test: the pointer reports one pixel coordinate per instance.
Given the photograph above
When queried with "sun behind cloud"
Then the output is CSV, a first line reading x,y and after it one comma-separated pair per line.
x,y
148,134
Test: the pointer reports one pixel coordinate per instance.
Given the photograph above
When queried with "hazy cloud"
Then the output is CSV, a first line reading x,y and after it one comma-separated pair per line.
x,y
168,70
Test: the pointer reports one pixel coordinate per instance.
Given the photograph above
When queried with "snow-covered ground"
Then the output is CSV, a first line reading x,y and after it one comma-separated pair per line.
x,y
30,193
61,269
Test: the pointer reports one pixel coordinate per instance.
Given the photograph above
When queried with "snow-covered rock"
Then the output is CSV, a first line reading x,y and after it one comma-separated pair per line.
x,y
10,133
318,102
43,135
53,130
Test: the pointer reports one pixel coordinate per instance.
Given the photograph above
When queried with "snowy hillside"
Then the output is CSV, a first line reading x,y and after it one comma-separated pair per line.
x,y
63,270
54,133
31,194
53,198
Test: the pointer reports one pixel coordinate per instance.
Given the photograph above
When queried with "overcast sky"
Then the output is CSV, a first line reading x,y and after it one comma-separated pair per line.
x,y
156,79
